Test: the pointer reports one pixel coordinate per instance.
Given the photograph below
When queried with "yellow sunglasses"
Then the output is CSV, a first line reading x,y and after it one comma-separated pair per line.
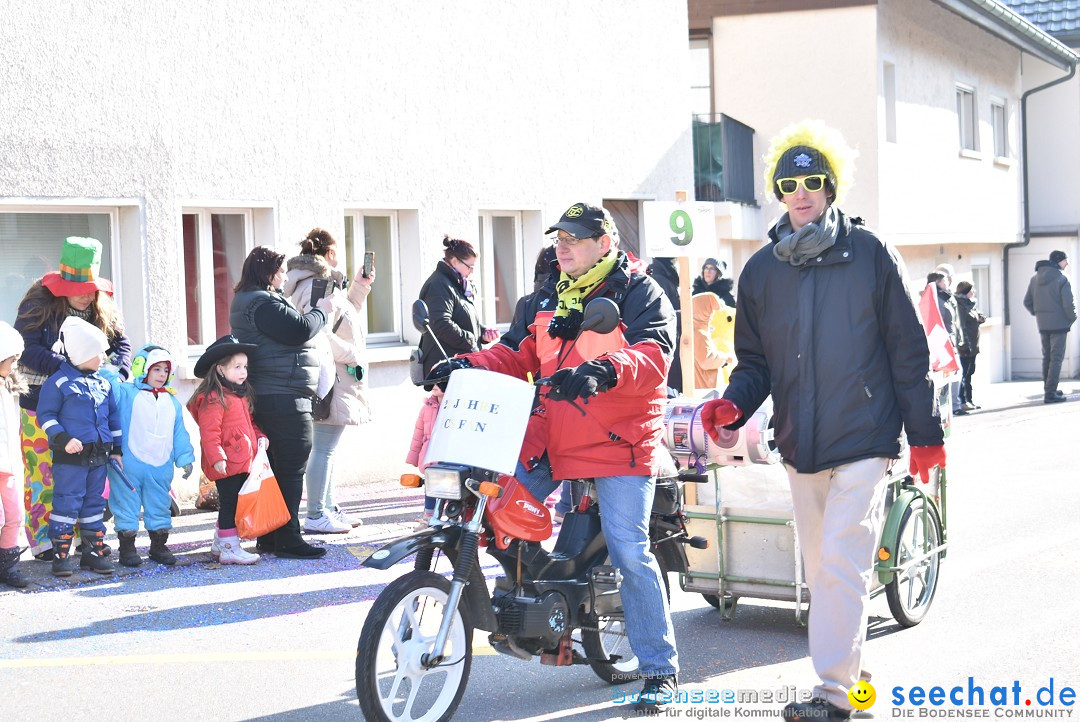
x,y
812,184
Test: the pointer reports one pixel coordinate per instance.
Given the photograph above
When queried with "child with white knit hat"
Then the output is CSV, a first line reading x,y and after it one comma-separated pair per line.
x,y
78,412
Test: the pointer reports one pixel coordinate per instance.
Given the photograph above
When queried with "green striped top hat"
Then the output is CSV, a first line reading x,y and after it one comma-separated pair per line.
x,y
80,260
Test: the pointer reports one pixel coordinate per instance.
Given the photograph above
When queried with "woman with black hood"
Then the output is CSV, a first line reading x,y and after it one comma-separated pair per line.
x,y
712,280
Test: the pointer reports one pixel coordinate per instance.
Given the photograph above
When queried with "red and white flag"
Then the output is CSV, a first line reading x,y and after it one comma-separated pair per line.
x,y
942,352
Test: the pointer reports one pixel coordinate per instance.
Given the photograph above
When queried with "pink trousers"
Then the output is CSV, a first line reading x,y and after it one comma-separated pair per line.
x,y
11,509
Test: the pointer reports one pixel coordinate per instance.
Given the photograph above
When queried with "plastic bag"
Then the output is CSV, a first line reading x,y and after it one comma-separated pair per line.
x,y
260,508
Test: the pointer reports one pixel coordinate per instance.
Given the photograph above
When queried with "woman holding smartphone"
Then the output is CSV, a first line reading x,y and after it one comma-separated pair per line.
x,y
315,266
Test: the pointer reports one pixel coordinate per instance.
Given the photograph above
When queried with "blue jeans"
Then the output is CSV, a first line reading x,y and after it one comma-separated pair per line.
x,y
625,505
320,468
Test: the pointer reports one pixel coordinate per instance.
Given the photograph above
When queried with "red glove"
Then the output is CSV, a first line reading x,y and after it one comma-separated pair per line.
x,y
717,413
925,458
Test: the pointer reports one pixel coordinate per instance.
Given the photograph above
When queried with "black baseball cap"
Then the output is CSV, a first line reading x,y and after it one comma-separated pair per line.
x,y
583,220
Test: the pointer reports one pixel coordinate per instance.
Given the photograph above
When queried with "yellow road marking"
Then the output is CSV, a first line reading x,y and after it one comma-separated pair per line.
x,y
200,658
480,648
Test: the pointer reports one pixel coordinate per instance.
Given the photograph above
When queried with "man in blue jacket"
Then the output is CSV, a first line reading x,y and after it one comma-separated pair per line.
x,y
825,324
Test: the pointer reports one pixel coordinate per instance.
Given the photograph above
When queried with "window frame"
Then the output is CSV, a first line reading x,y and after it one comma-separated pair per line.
x,y
351,259
1001,134
487,265
888,92
700,42
112,211
204,271
963,90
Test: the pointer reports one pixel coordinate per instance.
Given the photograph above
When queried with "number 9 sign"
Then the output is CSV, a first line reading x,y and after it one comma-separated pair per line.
x,y
683,227
679,229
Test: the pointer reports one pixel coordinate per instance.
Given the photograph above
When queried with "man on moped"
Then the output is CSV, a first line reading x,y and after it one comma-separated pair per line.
x,y
825,324
611,428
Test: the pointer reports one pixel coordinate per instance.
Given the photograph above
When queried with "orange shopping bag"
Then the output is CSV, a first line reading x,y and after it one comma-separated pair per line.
x,y
260,508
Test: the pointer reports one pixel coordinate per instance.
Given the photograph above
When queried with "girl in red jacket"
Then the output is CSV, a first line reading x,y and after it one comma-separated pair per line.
x,y
222,406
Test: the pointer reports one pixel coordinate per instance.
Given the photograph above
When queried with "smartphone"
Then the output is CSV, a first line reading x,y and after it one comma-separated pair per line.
x,y
318,290
369,263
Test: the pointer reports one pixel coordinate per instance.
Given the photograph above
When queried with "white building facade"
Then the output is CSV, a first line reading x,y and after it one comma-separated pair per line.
x,y
182,136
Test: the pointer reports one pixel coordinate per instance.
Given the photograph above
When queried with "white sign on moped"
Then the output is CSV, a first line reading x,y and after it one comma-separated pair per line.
x,y
481,420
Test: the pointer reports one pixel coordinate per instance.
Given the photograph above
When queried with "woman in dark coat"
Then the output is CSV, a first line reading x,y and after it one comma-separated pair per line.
x,y
284,372
970,320
448,296
712,280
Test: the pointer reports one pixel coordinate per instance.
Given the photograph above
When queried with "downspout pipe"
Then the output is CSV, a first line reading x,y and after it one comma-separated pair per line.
x,y
1025,181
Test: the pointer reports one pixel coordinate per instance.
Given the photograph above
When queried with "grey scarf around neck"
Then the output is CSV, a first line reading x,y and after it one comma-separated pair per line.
x,y
798,247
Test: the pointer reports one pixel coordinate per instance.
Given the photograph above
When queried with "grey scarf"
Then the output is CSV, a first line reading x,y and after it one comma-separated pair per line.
x,y
798,247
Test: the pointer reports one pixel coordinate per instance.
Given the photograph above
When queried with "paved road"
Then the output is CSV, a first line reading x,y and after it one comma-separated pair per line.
x,y
277,641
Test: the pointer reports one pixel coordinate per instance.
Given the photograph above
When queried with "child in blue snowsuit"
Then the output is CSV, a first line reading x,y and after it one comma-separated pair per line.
x,y
78,412
155,441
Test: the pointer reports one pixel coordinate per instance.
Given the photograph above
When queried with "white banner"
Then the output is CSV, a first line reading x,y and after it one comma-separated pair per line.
x,y
679,229
481,421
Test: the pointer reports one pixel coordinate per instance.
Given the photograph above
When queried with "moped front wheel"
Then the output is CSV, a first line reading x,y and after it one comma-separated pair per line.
x,y
392,680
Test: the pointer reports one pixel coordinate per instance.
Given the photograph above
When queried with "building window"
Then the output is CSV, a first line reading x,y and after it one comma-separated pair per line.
x,y
967,117
216,242
376,231
1001,129
888,91
503,264
31,241
980,279
700,70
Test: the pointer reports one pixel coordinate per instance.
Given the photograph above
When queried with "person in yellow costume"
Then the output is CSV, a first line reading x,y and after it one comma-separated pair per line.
x,y
714,343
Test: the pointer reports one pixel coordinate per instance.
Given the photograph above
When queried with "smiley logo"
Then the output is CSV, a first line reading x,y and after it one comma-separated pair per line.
x,y
862,695
574,211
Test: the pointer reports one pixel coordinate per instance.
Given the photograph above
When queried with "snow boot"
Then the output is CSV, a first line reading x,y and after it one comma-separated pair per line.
x,y
232,553
129,557
93,559
9,569
158,551
63,564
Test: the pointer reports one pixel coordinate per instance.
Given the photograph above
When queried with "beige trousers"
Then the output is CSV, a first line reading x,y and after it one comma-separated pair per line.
x,y
838,516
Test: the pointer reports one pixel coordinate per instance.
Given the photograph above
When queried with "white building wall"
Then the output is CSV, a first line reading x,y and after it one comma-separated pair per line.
x,y
303,111
1054,147
773,69
1054,160
930,193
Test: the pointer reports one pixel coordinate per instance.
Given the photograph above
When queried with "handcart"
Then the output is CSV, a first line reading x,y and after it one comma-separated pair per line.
x,y
745,511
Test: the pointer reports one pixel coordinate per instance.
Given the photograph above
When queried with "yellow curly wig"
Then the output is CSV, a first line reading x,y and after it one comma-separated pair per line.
x,y
815,134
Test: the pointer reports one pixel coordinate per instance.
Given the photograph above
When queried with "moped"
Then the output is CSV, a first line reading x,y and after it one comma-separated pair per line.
x,y
560,603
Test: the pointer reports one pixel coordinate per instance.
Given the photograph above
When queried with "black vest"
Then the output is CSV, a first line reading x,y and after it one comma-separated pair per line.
x,y
274,367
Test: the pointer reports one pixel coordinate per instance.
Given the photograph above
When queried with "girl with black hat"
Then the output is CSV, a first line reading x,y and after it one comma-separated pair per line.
x,y
222,406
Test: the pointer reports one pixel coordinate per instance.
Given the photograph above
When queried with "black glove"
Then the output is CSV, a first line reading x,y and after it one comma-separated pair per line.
x,y
440,372
588,379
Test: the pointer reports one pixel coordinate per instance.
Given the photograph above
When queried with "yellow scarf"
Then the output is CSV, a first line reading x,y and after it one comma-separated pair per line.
x,y
568,310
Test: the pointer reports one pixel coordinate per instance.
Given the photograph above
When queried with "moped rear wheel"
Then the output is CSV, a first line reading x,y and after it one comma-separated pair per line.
x,y
610,641
911,592
392,683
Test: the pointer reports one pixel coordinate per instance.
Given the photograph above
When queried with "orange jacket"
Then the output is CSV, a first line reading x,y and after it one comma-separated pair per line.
x,y
227,433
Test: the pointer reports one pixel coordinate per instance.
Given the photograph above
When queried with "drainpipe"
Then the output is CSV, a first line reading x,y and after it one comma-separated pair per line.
x,y
1024,176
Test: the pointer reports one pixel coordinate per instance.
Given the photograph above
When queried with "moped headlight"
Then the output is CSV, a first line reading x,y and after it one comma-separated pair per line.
x,y
445,481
